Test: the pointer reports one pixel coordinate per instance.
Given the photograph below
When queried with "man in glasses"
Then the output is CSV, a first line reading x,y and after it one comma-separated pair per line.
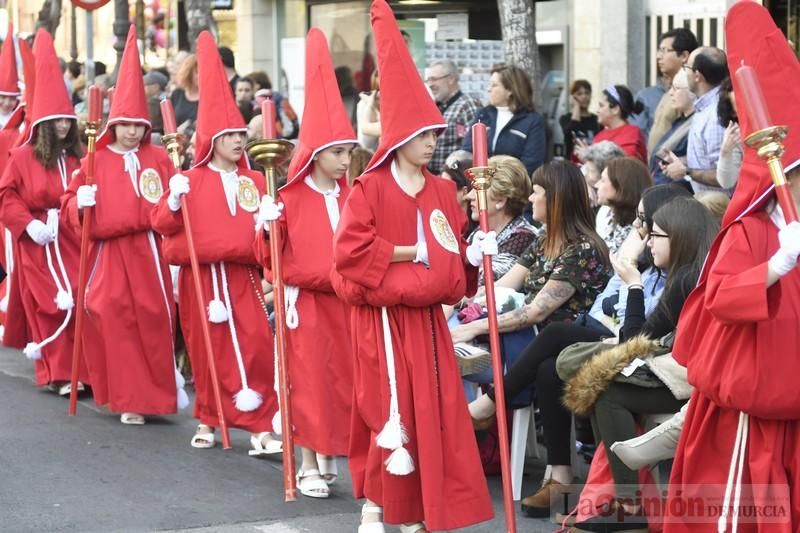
x,y
457,108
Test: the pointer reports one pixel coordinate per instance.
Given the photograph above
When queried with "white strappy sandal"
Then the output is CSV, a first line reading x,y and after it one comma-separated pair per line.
x,y
133,419
273,446
373,527
313,488
203,439
328,468
413,528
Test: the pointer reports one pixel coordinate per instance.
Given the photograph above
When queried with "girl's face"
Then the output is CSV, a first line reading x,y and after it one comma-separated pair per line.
x,y
658,241
539,200
7,104
606,193
419,150
583,96
129,134
499,96
230,146
333,162
62,127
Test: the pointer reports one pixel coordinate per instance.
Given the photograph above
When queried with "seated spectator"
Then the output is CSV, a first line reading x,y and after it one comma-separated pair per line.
x,y
595,158
579,123
619,190
730,152
681,236
614,107
674,142
457,173
564,269
536,364
513,127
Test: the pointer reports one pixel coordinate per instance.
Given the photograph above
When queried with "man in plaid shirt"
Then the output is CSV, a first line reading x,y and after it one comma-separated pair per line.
x,y
458,109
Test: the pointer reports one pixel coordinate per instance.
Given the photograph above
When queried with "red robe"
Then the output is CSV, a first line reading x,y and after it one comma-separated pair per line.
x,y
319,352
447,489
220,236
740,343
628,137
27,191
129,308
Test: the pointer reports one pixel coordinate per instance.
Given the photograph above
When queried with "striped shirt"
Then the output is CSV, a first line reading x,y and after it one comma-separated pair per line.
x,y
705,138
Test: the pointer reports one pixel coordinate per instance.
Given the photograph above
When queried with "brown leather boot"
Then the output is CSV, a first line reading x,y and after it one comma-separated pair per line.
x,y
538,505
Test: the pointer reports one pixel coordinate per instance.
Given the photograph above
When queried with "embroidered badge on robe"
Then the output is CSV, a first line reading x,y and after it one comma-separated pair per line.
x,y
150,185
247,195
442,232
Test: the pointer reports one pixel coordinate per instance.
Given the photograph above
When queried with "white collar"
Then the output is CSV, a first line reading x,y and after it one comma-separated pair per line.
x,y
332,192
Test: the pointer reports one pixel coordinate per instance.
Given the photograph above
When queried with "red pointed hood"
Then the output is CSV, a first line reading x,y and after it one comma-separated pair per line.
x,y
129,103
9,80
55,102
325,120
217,112
753,39
407,108
20,114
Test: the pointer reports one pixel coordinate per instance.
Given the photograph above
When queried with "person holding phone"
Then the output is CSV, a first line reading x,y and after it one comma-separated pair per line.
x,y
672,146
579,123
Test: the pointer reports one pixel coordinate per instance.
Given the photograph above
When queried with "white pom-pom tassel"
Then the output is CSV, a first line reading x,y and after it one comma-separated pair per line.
x,y
183,399
32,351
277,428
4,304
247,400
393,434
217,313
400,462
64,301
180,382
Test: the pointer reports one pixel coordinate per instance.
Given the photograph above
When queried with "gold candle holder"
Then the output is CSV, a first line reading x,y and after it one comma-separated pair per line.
x,y
481,181
270,153
170,142
769,145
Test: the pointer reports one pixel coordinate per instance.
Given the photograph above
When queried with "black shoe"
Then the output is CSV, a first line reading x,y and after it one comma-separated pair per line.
x,y
615,519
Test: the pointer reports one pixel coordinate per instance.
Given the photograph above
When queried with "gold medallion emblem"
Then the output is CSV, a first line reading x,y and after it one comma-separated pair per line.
x,y
442,232
150,185
247,195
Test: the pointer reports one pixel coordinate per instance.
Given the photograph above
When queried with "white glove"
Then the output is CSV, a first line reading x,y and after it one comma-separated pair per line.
x,y
178,186
422,254
86,196
785,259
482,244
268,212
39,232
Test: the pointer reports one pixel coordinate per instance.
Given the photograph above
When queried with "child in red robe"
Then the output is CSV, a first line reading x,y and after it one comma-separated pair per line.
x,y
397,260
46,265
128,326
222,196
318,336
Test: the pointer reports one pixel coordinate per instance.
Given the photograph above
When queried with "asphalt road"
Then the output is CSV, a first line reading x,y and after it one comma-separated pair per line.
x,y
90,473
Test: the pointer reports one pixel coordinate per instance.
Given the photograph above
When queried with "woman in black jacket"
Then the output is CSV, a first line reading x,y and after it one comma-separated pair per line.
x,y
513,127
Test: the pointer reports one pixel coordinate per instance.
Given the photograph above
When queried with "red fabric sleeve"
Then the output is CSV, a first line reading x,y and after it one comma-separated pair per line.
x,y
360,254
737,282
14,213
164,220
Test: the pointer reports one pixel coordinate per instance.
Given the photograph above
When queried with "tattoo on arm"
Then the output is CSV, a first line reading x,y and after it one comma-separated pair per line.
x,y
552,296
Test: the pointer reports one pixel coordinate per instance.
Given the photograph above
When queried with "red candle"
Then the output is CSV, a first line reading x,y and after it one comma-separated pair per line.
x,y
268,116
748,89
480,153
168,117
95,103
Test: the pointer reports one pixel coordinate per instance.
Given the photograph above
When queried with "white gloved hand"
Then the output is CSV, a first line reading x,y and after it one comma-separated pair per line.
x,y
268,212
85,196
39,232
785,259
482,244
178,186
422,254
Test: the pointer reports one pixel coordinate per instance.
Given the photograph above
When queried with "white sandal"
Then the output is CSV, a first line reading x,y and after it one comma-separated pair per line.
x,y
66,389
133,419
372,527
328,468
204,439
273,447
413,528
313,488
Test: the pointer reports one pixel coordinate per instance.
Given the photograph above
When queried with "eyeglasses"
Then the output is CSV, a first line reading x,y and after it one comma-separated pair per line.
x,y
687,67
664,51
654,234
431,79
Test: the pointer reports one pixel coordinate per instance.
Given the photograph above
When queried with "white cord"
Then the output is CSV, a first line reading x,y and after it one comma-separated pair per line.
x,y
291,294
737,459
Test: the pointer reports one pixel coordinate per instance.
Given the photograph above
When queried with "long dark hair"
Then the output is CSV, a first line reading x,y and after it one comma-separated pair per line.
x,y
569,213
691,229
47,148
630,177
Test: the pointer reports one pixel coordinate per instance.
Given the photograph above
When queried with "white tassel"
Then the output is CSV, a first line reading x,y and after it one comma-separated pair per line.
x,y
183,399
4,304
277,426
32,351
393,435
217,313
180,382
247,400
400,462
64,301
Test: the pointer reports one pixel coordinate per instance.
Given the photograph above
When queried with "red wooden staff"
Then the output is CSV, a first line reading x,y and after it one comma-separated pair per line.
x,y
92,126
170,138
481,176
766,137
270,152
